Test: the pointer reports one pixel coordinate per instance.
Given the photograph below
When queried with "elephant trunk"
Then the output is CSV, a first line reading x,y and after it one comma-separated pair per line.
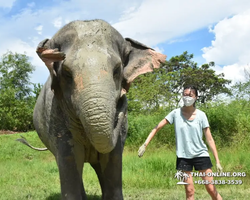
x,y
102,120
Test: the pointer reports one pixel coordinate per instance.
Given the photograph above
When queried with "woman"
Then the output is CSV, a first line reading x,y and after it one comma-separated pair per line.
x,y
190,124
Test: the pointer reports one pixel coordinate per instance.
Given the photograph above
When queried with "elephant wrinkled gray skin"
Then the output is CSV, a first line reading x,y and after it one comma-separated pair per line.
x,y
81,112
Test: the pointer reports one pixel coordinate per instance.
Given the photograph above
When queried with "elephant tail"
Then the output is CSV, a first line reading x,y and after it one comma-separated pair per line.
x,y
24,141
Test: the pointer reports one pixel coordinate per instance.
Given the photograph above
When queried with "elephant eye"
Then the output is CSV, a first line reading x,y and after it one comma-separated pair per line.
x,y
117,71
126,57
66,72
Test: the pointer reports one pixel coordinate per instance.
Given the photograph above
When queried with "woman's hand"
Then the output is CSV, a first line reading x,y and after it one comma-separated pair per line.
x,y
218,167
141,150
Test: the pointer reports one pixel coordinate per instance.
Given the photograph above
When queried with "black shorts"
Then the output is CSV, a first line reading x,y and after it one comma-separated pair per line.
x,y
199,163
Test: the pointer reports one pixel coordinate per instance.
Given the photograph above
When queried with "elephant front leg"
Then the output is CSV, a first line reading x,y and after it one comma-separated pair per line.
x,y
109,172
70,178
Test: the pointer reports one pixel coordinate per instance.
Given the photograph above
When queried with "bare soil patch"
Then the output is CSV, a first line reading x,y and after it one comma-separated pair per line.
x,y
6,132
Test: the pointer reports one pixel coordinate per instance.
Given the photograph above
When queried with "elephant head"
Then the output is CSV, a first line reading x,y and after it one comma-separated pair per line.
x,y
91,68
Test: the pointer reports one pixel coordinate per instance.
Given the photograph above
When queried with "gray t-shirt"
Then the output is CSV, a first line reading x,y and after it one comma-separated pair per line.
x,y
189,133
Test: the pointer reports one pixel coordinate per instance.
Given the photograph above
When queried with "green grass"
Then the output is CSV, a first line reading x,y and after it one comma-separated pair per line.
x,y
28,174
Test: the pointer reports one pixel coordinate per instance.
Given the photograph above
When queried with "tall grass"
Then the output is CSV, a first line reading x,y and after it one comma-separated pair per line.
x,y
229,123
28,174
141,125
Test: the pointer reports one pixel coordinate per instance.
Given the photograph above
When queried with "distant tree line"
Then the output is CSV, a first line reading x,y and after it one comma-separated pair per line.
x,y
149,93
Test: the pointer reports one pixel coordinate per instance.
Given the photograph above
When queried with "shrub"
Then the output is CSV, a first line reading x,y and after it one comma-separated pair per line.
x,y
229,124
15,115
142,124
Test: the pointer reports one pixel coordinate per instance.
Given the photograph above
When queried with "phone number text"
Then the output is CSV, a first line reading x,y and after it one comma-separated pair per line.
x,y
219,182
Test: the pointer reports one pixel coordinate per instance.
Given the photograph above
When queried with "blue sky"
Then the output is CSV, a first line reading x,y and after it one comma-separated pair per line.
x,y
192,42
215,30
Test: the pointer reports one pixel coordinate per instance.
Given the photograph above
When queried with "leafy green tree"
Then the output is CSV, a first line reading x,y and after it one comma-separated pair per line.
x,y
16,95
208,83
241,90
147,92
37,89
15,72
164,85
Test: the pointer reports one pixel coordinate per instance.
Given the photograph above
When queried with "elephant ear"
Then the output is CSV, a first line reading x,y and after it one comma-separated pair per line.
x,y
51,58
141,59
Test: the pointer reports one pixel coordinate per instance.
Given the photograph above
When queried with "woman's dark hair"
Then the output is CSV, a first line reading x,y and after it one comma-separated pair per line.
x,y
191,87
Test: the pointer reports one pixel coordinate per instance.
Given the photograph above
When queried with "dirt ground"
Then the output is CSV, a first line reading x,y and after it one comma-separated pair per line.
x,y
6,132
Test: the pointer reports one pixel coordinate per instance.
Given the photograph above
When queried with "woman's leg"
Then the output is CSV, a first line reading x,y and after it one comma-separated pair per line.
x,y
189,188
210,187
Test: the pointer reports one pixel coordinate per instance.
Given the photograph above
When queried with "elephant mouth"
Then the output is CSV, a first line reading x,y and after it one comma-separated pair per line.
x,y
121,109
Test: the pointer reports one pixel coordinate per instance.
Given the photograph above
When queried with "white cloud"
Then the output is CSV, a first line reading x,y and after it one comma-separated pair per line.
x,y
58,22
231,46
160,50
39,29
234,72
232,40
153,23
7,3
147,21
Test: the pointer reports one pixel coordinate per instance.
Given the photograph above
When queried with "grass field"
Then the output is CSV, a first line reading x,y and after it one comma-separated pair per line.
x,y
28,174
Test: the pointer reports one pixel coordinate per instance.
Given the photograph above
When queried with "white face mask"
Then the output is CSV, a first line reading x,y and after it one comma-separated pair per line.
x,y
188,101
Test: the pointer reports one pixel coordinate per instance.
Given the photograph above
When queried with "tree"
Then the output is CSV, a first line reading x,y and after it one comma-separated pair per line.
x,y
147,92
37,89
164,85
15,72
208,83
241,90
247,73
16,97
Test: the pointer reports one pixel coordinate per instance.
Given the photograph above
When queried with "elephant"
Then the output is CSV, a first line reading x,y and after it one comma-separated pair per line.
x,y
81,112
